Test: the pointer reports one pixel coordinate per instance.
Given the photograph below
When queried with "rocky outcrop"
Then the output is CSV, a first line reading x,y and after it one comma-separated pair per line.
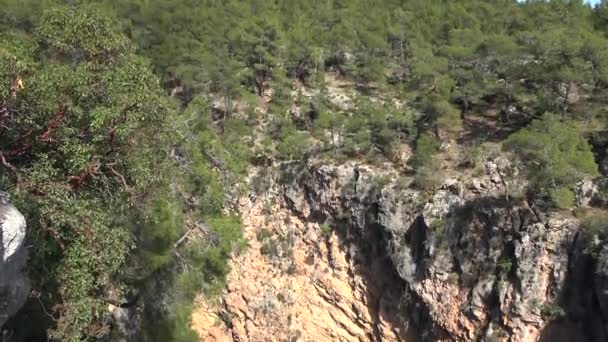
x,y
298,282
480,267
592,193
14,284
467,262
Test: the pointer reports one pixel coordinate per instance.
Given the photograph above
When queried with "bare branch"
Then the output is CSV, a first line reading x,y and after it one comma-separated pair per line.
x,y
120,176
8,165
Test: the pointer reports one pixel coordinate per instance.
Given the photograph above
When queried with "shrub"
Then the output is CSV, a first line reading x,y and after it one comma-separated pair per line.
x,y
563,198
166,226
293,146
439,230
270,248
471,155
426,147
325,228
556,155
597,224
426,178
551,311
263,234
504,267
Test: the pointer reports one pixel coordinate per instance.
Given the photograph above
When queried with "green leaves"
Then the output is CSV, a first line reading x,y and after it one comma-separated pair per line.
x,y
426,148
82,35
85,127
556,155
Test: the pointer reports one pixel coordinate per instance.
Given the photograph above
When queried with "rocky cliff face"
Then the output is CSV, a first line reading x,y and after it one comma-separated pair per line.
x,y
296,282
460,264
14,284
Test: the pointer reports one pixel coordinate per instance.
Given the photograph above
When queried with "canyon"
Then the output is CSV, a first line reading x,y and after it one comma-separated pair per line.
x,y
349,252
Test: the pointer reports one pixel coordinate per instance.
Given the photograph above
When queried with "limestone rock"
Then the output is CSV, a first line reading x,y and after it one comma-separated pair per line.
x,y
475,263
307,290
460,264
585,192
14,283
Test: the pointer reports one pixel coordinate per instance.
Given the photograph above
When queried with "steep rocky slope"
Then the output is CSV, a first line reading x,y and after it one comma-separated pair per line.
x,y
460,264
298,283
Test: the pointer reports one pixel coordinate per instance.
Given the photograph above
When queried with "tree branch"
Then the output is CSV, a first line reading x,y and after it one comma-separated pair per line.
x,y
120,176
8,165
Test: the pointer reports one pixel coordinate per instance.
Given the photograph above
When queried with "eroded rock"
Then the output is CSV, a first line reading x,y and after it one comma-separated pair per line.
x,y
476,263
473,264
14,283
296,282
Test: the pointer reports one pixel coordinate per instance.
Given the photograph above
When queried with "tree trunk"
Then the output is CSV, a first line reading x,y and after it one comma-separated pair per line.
x,y
225,107
564,106
465,109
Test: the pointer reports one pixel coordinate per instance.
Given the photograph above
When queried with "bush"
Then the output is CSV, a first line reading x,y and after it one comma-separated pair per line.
x,y
293,146
471,156
563,198
439,228
597,224
504,266
263,234
176,327
325,228
551,311
270,248
166,227
556,154
426,147
426,178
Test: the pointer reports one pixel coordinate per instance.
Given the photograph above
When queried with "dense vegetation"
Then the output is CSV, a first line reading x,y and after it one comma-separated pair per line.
x,y
126,124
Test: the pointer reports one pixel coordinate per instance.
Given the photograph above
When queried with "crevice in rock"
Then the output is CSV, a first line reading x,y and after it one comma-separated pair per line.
x,y
583,318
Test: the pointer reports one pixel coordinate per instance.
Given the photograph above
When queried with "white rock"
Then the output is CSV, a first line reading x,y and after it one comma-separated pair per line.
x,y
13,230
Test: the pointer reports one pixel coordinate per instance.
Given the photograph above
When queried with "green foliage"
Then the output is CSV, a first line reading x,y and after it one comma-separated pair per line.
x,y
426,178
85,129
175,327
552,311
556,155
504,267
439,229
562,198
219,155
167,226
472,155
597,224
205,270
292,144
325,228
212,261
426,148
270,248
85,135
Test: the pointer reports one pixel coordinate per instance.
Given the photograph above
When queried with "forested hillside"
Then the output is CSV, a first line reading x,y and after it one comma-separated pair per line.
x,y
128,127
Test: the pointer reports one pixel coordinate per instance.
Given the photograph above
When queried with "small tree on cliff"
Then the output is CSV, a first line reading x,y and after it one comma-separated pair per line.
x,y
556,156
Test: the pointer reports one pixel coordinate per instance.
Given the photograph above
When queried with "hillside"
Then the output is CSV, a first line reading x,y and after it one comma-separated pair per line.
x,y
305,170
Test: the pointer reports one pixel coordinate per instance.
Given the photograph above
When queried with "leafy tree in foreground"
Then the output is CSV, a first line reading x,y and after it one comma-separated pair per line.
x,y
82,143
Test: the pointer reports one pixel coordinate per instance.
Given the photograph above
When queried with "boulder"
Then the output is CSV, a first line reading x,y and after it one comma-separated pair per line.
x,y
14,283
586,191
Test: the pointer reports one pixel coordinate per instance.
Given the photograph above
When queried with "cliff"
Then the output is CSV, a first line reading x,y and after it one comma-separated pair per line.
x,y
351,252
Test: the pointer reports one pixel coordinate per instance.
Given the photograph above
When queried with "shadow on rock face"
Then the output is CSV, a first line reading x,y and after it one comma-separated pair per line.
x,y
583,298
564,330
